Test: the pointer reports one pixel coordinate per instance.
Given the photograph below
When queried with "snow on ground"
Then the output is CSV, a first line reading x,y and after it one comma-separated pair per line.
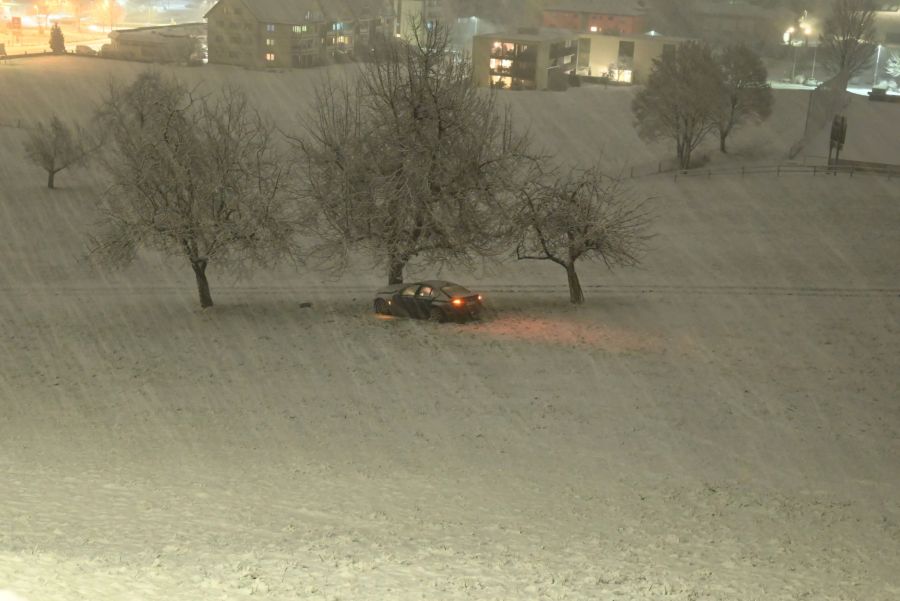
x,y
721,424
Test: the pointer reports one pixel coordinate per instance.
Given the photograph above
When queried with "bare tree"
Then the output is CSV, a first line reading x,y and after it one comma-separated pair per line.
x,y
746,94
682,99
582,214
893,65
410,160
198,177
848,38
55,146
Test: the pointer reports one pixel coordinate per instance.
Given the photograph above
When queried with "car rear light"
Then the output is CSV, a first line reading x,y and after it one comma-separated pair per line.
x,y
457,302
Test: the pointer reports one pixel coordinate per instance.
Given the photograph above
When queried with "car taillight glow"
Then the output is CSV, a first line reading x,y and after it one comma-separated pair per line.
x,y
457,301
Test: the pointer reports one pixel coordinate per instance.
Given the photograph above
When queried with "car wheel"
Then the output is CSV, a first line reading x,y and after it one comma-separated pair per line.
x,y
436,315
381,307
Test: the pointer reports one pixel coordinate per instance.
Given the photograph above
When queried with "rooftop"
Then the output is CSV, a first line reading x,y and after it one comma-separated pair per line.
x,y
532,34
604,7
299,11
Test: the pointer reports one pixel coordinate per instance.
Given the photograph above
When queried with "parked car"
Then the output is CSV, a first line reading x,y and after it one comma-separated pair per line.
x,y
435,300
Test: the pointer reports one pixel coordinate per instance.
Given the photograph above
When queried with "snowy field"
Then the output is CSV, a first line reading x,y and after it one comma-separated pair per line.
x,y
722,424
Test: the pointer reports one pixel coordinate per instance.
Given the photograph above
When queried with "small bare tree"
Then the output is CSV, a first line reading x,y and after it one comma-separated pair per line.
x,y
410,160
848,38
682,99
746,95
199,177
55,146
582,214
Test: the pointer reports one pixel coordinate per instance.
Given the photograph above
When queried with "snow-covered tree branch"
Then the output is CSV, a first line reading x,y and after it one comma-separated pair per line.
x,y
199,177
581,214
410,160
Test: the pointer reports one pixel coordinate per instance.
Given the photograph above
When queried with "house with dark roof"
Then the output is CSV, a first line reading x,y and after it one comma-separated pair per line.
x,y
294,33
598,16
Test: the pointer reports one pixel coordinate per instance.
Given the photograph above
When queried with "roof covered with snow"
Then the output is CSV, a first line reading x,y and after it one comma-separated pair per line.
x,y
605,7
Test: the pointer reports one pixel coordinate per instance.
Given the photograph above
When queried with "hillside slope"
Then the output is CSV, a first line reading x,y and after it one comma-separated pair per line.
x,y
721,424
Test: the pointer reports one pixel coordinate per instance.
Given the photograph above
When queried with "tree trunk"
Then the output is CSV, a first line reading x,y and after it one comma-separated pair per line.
x,y
722,136
51,175
199,266
395,270
576,296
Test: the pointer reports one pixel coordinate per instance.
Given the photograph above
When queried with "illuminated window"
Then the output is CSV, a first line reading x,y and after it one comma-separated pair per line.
x,y
621,75
299,28
270,27
270,57
501,82
593,29
270,42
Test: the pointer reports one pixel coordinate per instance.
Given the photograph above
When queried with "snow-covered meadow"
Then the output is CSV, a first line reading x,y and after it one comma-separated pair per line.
x,y
721,424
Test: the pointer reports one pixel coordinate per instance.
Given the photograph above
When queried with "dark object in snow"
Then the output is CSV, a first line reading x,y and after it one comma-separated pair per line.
x,y
881,95
305,305
435,300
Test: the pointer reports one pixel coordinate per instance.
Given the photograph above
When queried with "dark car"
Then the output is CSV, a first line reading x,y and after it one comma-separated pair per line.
x,y
436,300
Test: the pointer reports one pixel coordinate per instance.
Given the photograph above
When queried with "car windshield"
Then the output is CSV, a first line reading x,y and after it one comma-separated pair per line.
x,y
455,290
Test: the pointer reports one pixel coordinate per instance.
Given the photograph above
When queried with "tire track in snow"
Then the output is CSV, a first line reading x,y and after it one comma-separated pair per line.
x,y
657,289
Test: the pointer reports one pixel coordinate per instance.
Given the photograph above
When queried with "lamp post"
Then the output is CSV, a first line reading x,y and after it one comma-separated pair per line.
x,y
789,39
807,31
877,60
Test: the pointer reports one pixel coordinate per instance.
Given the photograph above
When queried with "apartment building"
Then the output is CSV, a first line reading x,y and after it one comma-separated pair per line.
x,y
598,16
528,59
294,33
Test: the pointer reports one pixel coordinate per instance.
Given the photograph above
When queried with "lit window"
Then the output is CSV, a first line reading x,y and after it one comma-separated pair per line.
x,y
270,57
299,28
593,29
270,42
270,27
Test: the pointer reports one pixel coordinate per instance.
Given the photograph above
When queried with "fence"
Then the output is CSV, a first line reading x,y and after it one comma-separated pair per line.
x,y
846,168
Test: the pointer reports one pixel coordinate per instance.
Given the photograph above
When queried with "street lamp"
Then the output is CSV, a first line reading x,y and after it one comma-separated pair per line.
x,y
788,35
877,60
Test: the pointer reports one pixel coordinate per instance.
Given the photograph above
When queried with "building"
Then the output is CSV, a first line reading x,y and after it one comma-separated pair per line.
x,y
598,16
529,59
409,12
736,21
294,33
626,58
163,44
887,23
